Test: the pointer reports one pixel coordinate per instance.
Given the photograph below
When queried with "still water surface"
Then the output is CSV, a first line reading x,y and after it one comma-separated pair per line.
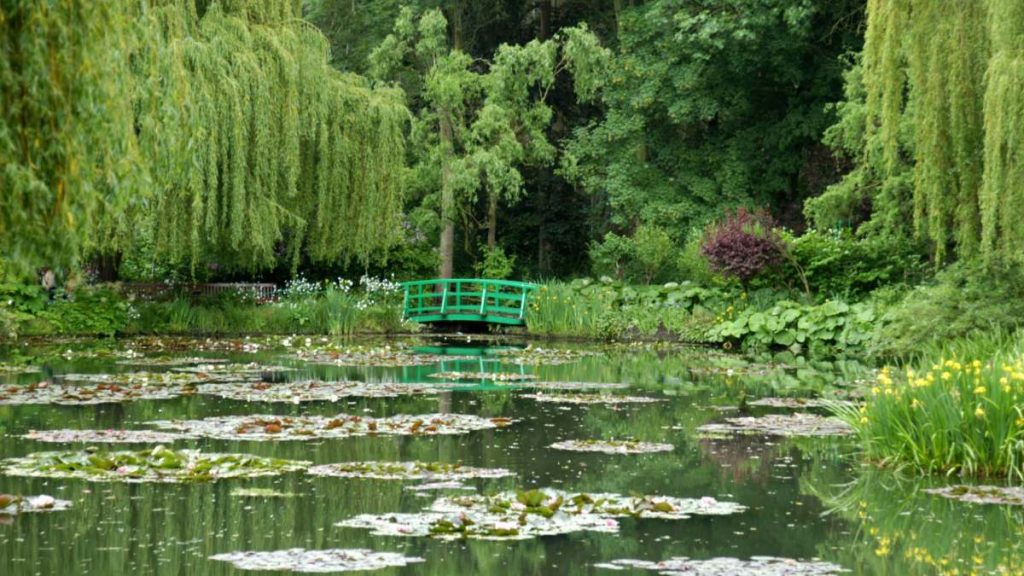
x,y
806,498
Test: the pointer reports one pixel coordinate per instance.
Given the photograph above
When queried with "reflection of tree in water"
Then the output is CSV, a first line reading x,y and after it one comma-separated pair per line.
x,y
900,529
742,458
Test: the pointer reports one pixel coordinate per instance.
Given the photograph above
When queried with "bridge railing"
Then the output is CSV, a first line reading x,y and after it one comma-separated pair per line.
x,y
466,299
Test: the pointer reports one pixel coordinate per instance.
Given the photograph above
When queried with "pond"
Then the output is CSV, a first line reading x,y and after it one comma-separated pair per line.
x,y
360,456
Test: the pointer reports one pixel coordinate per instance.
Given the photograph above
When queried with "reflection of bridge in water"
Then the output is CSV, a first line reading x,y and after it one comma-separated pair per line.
x,y
486,358
466,301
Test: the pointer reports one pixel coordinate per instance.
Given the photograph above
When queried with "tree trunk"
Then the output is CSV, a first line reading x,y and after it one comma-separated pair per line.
x,y
492,222
447,250
545,19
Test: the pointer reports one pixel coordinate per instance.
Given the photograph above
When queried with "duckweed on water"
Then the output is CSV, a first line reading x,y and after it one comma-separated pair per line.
x,y
756,566
46,392
436,471
798,424
612,446
269,427
159,464
299,560
516,515
589,398
106,436
309,390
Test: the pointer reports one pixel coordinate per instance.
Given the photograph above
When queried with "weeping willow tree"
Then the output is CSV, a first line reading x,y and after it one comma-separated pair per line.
x,y
937,128
261,147
67,153
218,129
1002,198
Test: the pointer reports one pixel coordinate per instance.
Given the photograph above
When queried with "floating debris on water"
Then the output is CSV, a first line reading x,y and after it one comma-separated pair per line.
x,y
756,566
144,378
798,424
432,486
531,356
612,446
261,493
269,427
300,560
171,361
437,471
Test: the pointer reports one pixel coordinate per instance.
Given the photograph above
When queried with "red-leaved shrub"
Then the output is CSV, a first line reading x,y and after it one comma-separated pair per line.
x,y
743,245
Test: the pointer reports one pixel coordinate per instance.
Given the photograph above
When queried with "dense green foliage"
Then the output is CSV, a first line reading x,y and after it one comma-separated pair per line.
x,y
931,117
216,131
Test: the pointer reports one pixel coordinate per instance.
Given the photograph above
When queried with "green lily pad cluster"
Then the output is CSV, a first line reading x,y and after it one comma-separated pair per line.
x,y
231,370
6,368
612,446
159,464
494,376
756,566
799,403
385,356
797,424
268,427
172,361
516,515
299,560
106,436
141,378
1003,495
11,505
589,398
435,471
309,390
531,356
47,392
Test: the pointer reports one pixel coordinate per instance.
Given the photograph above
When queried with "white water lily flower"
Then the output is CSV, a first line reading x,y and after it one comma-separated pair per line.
x,y
42,501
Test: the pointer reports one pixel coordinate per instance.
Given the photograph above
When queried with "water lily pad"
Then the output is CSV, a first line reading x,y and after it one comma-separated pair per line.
x,y
590,398
309,390
798,424
799,403
433,486
86,394
299,560
18,369
516,515
576,385
612,446
756,566
106,436
142,378
1005,495
261,493
531,356
380,357
231,370
437,471
495,376
268,427
11,505
159,464
172,361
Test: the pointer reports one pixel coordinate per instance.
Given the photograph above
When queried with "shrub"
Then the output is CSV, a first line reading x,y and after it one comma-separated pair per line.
x,y
832,326
963,300
495,264
947,416
744,245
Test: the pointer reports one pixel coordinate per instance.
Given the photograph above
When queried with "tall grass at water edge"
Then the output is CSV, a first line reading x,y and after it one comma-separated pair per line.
x,y
959,412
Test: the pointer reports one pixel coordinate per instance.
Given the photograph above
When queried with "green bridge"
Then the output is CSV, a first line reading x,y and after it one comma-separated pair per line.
x,y
455,300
